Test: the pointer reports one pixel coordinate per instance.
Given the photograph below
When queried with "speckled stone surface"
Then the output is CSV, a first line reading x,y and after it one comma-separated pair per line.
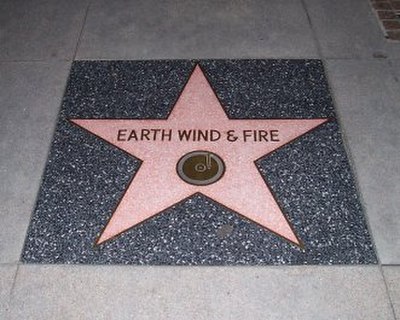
x,y
85,177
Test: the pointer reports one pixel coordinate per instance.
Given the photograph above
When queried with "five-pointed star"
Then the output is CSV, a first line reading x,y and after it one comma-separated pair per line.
x,y
157,186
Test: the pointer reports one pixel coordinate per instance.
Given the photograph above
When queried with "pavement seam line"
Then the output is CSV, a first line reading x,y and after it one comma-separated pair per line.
x,y
78,42
313,32
388,292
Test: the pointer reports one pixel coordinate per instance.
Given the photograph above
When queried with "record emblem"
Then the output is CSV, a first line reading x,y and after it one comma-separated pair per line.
x,y
200,168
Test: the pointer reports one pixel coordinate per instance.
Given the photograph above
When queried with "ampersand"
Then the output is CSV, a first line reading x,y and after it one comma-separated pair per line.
x,y
231,137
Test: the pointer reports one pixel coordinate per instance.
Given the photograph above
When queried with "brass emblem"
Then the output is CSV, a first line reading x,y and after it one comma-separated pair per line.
x,y
200,168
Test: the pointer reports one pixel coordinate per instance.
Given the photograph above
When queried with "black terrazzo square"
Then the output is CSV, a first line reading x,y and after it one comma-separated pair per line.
x,y
85,177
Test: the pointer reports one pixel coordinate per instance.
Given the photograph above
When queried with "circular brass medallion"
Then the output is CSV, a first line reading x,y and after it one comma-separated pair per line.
x,y
200,168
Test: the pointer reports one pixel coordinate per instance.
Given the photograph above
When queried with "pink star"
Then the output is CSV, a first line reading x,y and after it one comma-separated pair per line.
x,y
157,184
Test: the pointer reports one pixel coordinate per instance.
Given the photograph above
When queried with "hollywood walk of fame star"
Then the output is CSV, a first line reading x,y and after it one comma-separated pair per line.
x,y
160,145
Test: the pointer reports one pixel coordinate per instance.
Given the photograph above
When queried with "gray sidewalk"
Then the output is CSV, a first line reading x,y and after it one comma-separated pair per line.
x,y
39,41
